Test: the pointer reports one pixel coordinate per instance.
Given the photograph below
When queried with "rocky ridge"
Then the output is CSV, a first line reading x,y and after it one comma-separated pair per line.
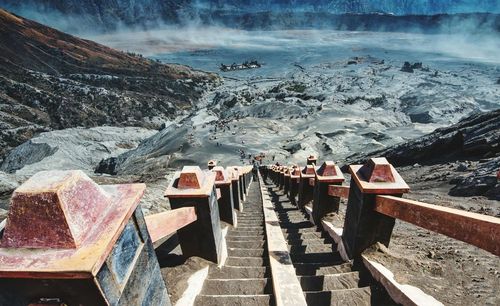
x,y
51,80
471,147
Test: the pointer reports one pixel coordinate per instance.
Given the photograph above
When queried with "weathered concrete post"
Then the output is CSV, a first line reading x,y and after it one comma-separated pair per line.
x,y
249,174
270,173
69,241
194,188
294,185
264,170
363,226
282,177
286,179
212,164
312,160
306,190
226,206
323,204
235,187
241,183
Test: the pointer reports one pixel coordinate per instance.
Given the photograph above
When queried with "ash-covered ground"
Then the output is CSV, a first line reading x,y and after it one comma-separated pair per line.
x,y
328,93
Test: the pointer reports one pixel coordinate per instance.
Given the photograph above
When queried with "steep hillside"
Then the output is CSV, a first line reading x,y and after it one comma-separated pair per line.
x,y
52,80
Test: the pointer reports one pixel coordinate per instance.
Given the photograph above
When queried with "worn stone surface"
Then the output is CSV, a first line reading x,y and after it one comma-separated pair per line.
x,y
75,148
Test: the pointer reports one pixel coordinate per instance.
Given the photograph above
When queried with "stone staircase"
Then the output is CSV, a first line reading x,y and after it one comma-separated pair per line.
x,y
324,277
245,278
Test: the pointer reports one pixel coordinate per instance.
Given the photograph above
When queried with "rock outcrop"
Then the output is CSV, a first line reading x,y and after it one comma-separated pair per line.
x,y
75,148
475,138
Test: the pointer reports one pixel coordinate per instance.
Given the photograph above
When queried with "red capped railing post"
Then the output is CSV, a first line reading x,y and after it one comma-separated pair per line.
x,y
323,204
211,164
305,189
286,180
73,242
312,160
282,177
249,175
235,187
241,184
363,226
294,184
192,187
226,206
275,174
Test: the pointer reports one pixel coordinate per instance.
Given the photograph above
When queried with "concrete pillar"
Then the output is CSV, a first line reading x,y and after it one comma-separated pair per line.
x,y
235,188
363,227
241,183
286,180
192,187
226,206
248,177
312,160
323,204
305,190
211,164
294,185
282,178
74,242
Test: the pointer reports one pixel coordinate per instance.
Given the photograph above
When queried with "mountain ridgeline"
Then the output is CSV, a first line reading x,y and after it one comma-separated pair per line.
x,y
99,15
52,80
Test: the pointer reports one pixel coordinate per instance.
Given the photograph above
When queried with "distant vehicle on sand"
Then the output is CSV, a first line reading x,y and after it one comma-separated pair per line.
x,y
246,65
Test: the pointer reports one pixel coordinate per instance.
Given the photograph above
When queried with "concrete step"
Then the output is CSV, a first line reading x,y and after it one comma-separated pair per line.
x,y
296,226
245,238
305,236
289,216
247,286
230,300
314,241
311,249
240,252
329,282
230,272
243,231
346,297
245,244
250,228
315,257
310,229
246,261
290,213
245,235
305,269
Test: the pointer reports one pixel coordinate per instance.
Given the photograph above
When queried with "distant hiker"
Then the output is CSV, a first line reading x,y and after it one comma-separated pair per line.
x,y
274,157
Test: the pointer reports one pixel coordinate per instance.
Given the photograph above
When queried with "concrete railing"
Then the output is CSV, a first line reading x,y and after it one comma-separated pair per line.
x,y
374,202
69,241
476,229
61,225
